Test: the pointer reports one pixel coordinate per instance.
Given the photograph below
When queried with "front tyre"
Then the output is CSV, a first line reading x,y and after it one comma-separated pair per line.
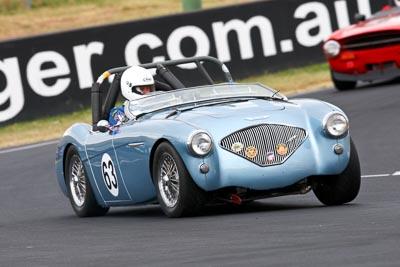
x,y
343,85
342,188
79,190
177,194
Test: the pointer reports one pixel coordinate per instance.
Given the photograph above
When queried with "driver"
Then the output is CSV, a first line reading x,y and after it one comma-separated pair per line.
x,y
135,82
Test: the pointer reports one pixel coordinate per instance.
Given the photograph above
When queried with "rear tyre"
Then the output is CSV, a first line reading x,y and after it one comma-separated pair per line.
x,y
177,194
79,189
343,85
342,188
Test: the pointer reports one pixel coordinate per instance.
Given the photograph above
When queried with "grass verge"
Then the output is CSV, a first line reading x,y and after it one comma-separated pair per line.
x,y
289,81
57,15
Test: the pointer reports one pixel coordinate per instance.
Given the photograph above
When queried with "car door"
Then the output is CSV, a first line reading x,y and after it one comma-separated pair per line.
x,y
133,156
104,165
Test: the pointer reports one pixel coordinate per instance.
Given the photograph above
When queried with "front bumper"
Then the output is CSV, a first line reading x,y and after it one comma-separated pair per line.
x,y
368,76
366,64
312,158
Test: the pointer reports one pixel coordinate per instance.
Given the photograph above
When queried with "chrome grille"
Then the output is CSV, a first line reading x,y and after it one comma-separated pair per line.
x,y
265,138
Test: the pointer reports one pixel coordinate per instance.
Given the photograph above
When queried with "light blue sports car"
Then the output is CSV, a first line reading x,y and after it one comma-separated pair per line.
x,y
185,147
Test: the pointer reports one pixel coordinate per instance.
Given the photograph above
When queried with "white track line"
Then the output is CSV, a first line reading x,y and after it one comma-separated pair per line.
x,y
375,175
396,173
28,147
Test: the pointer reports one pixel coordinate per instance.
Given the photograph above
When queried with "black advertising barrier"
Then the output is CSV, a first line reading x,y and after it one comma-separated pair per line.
x,y
52,74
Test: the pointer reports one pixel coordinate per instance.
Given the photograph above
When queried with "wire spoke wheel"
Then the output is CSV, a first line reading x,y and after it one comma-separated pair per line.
x,y
169,182
177,194
78,182
80,192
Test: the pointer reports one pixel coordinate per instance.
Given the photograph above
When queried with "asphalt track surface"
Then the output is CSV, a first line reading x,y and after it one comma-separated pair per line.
x,y
39,228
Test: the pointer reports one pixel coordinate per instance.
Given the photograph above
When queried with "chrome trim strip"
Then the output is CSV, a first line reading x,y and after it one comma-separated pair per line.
x,y
136,144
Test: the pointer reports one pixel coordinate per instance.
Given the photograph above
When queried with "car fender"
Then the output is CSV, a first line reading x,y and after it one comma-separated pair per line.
x,y
155,131
177,133
75,136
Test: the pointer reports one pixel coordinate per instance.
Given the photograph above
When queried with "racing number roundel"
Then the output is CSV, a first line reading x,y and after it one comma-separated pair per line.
x,y
109,176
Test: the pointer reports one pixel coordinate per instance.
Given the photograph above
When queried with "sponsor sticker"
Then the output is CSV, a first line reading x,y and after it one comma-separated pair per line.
x,y
281,149
237,147
270,156
251,152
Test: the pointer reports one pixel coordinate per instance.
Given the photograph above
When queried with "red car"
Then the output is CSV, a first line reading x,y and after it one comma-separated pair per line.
x,y
366,51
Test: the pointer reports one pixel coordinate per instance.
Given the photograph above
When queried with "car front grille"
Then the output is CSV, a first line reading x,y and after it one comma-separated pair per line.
x,y
265,144
371,41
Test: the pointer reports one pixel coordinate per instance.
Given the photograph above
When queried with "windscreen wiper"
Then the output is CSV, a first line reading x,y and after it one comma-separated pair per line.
x,y
174,112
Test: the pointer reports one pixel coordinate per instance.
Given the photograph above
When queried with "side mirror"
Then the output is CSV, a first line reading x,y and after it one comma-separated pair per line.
x,y
103,126
359,17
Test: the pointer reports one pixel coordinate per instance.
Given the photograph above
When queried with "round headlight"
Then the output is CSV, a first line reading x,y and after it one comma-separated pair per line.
x,y
200,143
336,124
331,48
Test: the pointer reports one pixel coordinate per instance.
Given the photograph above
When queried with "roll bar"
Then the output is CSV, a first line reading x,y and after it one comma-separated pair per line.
x,y
161,67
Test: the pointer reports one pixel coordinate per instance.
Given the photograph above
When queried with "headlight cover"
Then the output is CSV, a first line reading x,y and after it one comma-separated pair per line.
x,y
336,124
332,48
199,143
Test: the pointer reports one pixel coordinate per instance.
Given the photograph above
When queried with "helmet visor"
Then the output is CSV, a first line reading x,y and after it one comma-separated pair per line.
x,y
145,89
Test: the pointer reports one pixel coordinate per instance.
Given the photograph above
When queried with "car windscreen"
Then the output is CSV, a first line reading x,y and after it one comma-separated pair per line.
x,y
384,13
196,95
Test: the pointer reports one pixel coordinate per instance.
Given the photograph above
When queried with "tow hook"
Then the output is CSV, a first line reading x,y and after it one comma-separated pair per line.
x,y
236,199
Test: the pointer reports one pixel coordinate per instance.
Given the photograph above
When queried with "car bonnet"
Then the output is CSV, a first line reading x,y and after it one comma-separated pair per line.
x,y
386,23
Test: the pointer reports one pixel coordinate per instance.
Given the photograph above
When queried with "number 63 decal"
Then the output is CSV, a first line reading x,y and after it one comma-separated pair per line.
x,y
109,176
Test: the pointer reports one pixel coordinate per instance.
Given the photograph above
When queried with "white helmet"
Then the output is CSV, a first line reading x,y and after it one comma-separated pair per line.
x,y
135,82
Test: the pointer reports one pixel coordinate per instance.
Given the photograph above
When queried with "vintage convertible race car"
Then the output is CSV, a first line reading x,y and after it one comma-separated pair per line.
x,y
187,147
366,51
